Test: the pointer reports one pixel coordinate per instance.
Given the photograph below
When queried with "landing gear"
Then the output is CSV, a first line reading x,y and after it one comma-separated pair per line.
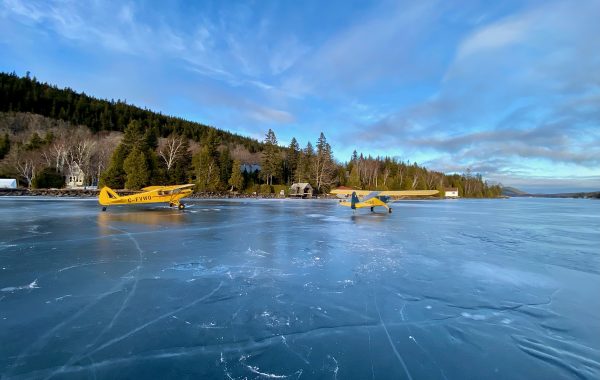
x,y
181,206
104,208
390,210
372,209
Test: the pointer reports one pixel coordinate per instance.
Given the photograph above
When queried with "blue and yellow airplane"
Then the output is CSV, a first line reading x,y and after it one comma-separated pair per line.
x,y
372,199
151,194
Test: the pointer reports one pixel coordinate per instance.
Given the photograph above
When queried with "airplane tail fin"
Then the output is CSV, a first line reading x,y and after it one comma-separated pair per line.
x,y
107,195
354,201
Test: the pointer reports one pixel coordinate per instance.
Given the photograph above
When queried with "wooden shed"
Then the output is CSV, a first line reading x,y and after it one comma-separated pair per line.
x,y
302,190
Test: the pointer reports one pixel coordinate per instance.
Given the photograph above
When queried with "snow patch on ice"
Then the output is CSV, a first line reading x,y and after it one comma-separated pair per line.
x,y
475,317
32,285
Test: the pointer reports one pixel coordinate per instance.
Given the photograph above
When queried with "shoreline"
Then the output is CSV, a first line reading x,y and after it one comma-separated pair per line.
x,y
81,193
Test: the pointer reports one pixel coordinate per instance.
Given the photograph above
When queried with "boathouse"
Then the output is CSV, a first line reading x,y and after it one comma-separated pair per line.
x,y
302,190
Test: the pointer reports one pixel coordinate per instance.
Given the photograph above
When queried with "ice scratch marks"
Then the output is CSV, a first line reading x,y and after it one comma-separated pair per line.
x,y
305,360
256,370
392,343
335,367
94,263
186,322
166,315
124,304
569,359
412,338
224,363
30,286
133,288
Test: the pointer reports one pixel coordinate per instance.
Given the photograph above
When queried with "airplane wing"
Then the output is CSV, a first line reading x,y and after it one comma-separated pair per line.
x,y
152,188
359,193
388,193
408,193
371,195
168,188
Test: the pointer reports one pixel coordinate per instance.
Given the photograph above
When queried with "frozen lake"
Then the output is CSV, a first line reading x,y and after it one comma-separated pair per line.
x,y
283,289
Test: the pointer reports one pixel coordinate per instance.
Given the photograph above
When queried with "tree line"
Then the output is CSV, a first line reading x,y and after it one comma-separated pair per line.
x,y
123,146
27,94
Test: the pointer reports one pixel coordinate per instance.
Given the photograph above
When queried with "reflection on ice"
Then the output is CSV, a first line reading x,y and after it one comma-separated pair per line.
x,y
291,289
495,273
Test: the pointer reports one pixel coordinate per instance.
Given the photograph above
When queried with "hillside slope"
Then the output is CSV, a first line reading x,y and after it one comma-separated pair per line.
x,y
26,94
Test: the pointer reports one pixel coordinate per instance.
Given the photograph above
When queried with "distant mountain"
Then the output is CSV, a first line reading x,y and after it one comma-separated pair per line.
x,y
592,194
513,192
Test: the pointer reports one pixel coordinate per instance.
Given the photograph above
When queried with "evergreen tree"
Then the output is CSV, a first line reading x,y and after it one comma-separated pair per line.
x,y
114,175
354,180
48,178
207,172
225,165
135,136
136,169
304,164
4,145
35,142
271,162
151,138
323,167
236,181
211,143
293,157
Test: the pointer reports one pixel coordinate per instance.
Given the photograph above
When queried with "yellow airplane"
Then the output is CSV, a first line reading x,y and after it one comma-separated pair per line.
x,y
150,194
372,199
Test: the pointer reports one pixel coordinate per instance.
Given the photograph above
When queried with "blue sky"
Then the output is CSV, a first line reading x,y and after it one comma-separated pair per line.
x,y
509,89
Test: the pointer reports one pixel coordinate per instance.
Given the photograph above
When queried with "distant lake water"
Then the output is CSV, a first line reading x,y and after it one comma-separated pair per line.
x,y
290,289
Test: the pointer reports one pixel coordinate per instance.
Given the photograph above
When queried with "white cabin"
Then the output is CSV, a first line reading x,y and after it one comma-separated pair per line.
x,y
75,177
8,183
451,192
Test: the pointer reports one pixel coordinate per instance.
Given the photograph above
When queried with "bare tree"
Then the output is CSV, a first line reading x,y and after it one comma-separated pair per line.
x,y
386,174
80,151
26,164
431,179
415,180
101,157
171,149
56,154
400,174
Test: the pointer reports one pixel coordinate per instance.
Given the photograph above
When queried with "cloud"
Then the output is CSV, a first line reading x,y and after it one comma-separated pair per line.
x,y
509,89
379,47
522,91
502,34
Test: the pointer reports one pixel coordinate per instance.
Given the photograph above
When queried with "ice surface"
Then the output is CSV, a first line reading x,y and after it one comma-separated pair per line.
x,y
289,289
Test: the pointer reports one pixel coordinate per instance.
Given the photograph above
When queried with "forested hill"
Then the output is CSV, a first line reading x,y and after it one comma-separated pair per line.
x,y
26,94
51,137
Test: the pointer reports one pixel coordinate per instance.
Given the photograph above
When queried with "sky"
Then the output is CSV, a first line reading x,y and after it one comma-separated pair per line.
x,y
509,89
